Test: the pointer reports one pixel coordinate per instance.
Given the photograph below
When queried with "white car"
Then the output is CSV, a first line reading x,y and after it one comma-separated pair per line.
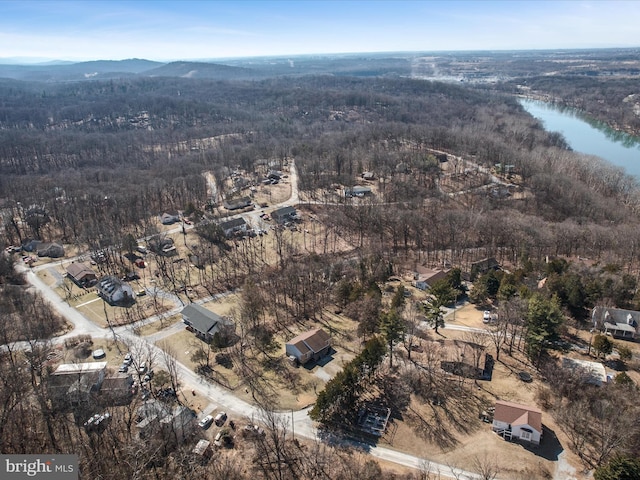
x,y
486,316
205,422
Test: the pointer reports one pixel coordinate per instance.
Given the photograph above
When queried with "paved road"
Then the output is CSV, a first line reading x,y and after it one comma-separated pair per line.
x,y
299,421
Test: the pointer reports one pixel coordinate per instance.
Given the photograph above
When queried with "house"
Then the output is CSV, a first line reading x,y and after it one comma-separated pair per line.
x,y
618,322
284,214
82,275
465,359
514,421
237,203
310,345
233,226
357,191
158,420
426,277
369,176
169,218
592,373
51,250
74,384
115,291
162,245
116,389
483,266
207,324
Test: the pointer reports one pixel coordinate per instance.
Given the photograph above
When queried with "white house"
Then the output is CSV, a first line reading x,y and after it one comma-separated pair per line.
x,y
114,291
514,421
616,321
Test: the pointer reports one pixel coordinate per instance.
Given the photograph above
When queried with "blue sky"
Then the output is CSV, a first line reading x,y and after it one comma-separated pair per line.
x,y
206,29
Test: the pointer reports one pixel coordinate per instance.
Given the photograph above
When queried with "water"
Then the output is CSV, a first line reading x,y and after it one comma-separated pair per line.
x,y
588,136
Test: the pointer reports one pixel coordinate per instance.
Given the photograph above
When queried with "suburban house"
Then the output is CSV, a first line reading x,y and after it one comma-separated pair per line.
x,y
466,359
162,245
82,275
426,277
311,345
514,421
233,226
51,250
619,323
156,419
357,191
284,214
116,389
592,373
169,218
206,324
115,291
73,384
237,203
483,266
368,176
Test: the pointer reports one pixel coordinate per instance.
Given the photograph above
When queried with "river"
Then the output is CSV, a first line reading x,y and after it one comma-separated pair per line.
x,y
588,136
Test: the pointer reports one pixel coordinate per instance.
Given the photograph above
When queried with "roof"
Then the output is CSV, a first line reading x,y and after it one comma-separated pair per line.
x,y
430,275
284,211
79,368
80,270
620,326
516,414
594,372
232,223
313,340
202,319
615,316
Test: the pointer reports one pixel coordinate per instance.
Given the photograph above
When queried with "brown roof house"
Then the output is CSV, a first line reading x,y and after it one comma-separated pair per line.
x,y
426,277
311,345
514,421
82,275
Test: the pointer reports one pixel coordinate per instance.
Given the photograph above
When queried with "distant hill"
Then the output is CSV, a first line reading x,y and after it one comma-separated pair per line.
x,y
100,69
201,70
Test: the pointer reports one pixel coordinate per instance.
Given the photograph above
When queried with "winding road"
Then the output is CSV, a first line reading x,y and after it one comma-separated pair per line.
x,y
299,421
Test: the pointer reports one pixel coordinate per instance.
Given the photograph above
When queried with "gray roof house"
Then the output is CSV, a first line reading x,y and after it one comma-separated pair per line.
x,y
232,226
284,214
616,321
115,292
206,323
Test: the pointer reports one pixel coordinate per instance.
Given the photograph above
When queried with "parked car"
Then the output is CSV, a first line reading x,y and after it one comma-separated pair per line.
x,y
124,368
220,419
486,316
142,368
206,422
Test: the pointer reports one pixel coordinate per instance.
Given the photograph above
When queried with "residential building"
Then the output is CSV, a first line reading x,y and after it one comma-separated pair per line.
x,y
74,384
233,226
207,324
311,345
426,277
237,203
115,291
483,266
82,275
521,422
284,214
616,321
357,191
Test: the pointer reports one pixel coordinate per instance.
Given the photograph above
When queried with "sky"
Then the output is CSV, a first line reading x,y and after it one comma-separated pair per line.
x,y
218,29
